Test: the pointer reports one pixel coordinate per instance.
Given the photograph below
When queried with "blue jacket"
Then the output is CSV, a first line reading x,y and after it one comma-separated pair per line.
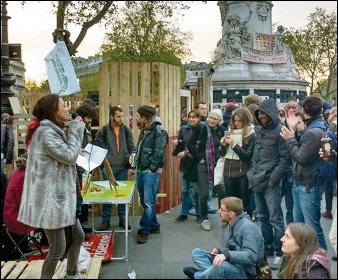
x,y
243,243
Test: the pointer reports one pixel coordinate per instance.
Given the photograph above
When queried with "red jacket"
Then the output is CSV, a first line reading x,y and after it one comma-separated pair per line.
x,y
12,203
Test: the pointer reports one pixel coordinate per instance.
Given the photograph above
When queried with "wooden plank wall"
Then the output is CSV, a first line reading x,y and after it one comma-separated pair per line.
x,y
131,85
29,99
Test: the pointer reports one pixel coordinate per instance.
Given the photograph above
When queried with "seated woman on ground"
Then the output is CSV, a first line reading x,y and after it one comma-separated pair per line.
x,y
303,259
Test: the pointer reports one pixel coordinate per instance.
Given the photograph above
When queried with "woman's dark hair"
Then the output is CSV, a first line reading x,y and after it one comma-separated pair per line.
x,y
45,108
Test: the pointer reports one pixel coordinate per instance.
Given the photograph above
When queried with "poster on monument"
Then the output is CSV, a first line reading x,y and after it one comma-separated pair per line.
x,y
257,56
60,71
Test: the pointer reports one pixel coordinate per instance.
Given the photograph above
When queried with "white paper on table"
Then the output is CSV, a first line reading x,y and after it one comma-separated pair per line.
x,y
105,184
93,158
60,71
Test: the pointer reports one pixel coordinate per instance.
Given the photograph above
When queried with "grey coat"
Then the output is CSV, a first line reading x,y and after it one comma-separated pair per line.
x,y
49,192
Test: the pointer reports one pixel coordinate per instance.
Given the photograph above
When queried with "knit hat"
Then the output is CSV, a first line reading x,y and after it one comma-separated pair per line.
x,y
4,115
217,112
146,111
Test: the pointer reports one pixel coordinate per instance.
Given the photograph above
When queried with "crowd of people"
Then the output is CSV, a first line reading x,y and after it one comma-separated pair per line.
x,y
268,153
53,203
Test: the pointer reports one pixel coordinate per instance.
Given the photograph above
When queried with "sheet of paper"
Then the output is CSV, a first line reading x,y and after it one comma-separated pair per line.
x,y
105,184
92,158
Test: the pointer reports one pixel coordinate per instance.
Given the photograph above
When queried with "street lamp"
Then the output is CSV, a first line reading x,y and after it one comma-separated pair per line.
x,y
7,78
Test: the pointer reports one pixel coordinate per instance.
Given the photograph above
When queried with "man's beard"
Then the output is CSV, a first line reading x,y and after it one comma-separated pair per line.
x,y
141,125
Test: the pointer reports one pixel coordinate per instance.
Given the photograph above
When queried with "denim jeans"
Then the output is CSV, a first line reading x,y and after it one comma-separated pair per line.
x,y
227,270
287,184
147,185
3,164
328,195
270,215
120,175
306,209
186,187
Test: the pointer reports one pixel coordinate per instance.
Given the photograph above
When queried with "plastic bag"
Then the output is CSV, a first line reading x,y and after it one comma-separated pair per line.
x,y
84,260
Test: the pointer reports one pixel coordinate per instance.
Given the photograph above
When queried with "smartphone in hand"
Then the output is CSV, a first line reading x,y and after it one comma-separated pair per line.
x,y
226,133
212,255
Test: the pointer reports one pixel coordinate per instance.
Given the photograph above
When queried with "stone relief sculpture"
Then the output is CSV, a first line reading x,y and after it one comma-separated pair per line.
x,y
223,8
262,10
279,38
235,34
280,46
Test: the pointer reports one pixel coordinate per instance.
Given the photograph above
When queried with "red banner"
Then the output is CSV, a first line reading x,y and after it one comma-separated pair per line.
x,y
98,245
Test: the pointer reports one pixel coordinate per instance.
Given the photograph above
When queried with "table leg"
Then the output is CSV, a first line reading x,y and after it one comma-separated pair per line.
x,y
126,230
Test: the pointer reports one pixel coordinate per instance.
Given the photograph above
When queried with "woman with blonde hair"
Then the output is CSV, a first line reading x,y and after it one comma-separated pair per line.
x,y
238,149
303,259
332,119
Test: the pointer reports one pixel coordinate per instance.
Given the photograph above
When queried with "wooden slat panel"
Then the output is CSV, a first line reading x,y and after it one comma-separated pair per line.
x,y
139,84
104,88
19,268
134,99
124,90
114,86
33,270
94,269
145,84
7,268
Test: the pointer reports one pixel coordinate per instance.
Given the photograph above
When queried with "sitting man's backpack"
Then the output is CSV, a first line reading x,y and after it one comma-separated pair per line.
x,y
263,269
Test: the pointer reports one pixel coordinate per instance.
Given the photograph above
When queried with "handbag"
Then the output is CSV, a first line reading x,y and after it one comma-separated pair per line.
x,y
219,172
179,148
263,269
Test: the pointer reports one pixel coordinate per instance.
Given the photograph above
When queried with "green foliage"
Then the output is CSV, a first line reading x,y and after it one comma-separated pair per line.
x,y
315,52
44,86
89,83
146,31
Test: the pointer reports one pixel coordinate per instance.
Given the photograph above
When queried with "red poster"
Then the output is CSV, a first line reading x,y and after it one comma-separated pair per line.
x,y
98,245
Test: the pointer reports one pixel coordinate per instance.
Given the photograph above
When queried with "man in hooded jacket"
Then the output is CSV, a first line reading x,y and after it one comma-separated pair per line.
x,y
270,162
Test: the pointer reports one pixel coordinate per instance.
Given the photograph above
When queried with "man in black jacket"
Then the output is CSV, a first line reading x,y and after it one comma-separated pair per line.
x,y
306,190
270,162
150,157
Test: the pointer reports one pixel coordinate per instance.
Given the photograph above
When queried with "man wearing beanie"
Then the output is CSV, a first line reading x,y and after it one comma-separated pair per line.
x,y
150,158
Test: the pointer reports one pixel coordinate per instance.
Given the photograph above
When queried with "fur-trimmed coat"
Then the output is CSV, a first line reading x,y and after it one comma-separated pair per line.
x,y
49,193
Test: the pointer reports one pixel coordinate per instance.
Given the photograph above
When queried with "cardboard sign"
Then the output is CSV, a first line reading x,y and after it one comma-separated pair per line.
x,y
60,71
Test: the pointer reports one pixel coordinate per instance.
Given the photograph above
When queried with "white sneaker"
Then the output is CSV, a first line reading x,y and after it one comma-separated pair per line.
x,y
206,225
78,275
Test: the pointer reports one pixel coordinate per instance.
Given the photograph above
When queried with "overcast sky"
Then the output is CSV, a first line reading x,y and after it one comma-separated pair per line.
x,y
33,24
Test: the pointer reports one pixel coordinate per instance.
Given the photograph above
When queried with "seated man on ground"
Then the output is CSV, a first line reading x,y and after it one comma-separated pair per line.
x,y
243,246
